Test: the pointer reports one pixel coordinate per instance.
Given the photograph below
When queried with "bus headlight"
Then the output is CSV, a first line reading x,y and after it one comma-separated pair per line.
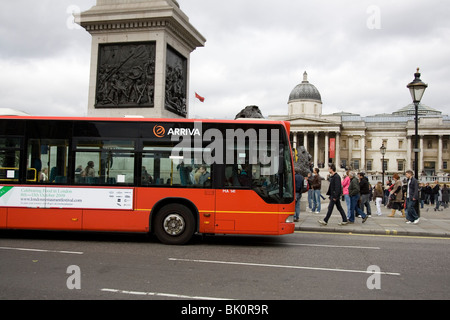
x,y
290,219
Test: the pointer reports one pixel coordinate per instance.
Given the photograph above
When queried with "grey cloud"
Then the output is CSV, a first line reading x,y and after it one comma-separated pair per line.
x,y
256,52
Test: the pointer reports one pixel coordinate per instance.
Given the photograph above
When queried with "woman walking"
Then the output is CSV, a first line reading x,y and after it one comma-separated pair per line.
x,y
396,196
378,196
345,185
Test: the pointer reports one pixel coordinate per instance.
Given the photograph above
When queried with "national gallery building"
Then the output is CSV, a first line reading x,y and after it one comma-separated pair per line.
x,y
352,141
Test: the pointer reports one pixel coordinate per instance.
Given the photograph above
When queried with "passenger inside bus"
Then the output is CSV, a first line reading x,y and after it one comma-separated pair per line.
x,y
204,175
146,177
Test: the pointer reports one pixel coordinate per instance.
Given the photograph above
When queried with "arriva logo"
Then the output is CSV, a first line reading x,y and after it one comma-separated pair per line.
x,y
184,132
159,131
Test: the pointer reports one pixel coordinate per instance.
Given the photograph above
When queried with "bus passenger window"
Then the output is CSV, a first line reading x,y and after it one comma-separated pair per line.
x,y
9,159
106,167
159,168
47,161
104,162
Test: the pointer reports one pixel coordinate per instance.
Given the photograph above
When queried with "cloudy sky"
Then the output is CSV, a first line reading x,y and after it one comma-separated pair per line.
x,y
359,54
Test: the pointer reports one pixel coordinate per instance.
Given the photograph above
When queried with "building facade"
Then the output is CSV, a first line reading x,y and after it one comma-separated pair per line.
x,y
352,141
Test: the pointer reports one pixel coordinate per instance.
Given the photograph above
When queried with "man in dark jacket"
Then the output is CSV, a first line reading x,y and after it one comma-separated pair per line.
x,y
428,194
364,191
412,195
435,194
353,192
335,193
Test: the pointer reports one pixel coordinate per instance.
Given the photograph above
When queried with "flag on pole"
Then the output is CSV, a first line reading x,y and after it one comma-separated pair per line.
x,y
199,97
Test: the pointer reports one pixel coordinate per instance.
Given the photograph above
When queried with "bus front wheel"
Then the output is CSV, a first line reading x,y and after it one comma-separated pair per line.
x,y
174,224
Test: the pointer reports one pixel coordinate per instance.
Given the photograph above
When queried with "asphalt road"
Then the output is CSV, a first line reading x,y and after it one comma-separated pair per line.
x,y
80,266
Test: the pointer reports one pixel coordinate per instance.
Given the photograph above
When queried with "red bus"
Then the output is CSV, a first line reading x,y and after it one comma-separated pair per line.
x,y
173,178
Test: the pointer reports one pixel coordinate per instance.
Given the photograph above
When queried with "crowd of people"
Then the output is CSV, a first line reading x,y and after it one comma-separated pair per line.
x,y
402,196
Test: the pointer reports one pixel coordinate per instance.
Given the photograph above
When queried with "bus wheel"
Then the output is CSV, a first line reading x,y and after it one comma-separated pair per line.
x,y
174,224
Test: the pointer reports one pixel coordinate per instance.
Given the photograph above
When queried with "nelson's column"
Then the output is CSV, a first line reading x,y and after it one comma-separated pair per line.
x,y
140,58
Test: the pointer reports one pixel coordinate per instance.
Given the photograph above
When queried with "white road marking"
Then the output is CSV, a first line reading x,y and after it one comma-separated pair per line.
x,y
283,266
159,294
329,246
39,250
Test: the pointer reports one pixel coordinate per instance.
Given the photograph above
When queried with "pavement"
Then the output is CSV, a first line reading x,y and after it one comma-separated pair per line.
x,y
432,223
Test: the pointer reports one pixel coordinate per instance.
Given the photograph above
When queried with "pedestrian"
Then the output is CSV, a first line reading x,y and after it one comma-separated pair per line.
x,y
345,185
378,196
422,195
335,193
353,191
412,196
396,196
386,192
299,180
428,193
435,195
445,196
316,185
364,191
310,192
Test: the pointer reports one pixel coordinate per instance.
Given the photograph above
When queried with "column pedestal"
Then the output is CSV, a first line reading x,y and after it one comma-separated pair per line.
x,y
140,58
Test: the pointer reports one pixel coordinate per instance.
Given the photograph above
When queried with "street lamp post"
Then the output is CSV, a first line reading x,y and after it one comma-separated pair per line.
x,y
383,152
417,89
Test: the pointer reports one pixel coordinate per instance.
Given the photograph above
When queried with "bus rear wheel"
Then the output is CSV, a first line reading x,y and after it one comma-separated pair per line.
x,y
174,224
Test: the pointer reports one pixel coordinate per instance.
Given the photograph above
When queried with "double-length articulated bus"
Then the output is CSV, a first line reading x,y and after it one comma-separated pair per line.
x,y
173,178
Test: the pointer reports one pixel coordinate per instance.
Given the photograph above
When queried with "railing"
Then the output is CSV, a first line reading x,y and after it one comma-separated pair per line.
x,y
374,178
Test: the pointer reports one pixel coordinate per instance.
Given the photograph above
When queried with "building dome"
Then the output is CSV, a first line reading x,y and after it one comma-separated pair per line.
x,y
305,91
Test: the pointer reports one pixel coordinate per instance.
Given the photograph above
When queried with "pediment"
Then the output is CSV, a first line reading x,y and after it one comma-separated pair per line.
x,y
306,121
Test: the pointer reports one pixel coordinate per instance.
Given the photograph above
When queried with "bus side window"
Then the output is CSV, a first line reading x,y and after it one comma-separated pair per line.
x,y
159,168
104,162
47,161
9,159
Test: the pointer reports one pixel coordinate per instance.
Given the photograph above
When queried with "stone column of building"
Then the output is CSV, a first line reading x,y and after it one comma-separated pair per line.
x,y
294,143
363,153
316,149
305,140
337,160
439,158
350,148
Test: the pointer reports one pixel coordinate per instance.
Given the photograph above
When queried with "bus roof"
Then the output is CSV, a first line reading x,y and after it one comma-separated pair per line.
x,y
139,119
